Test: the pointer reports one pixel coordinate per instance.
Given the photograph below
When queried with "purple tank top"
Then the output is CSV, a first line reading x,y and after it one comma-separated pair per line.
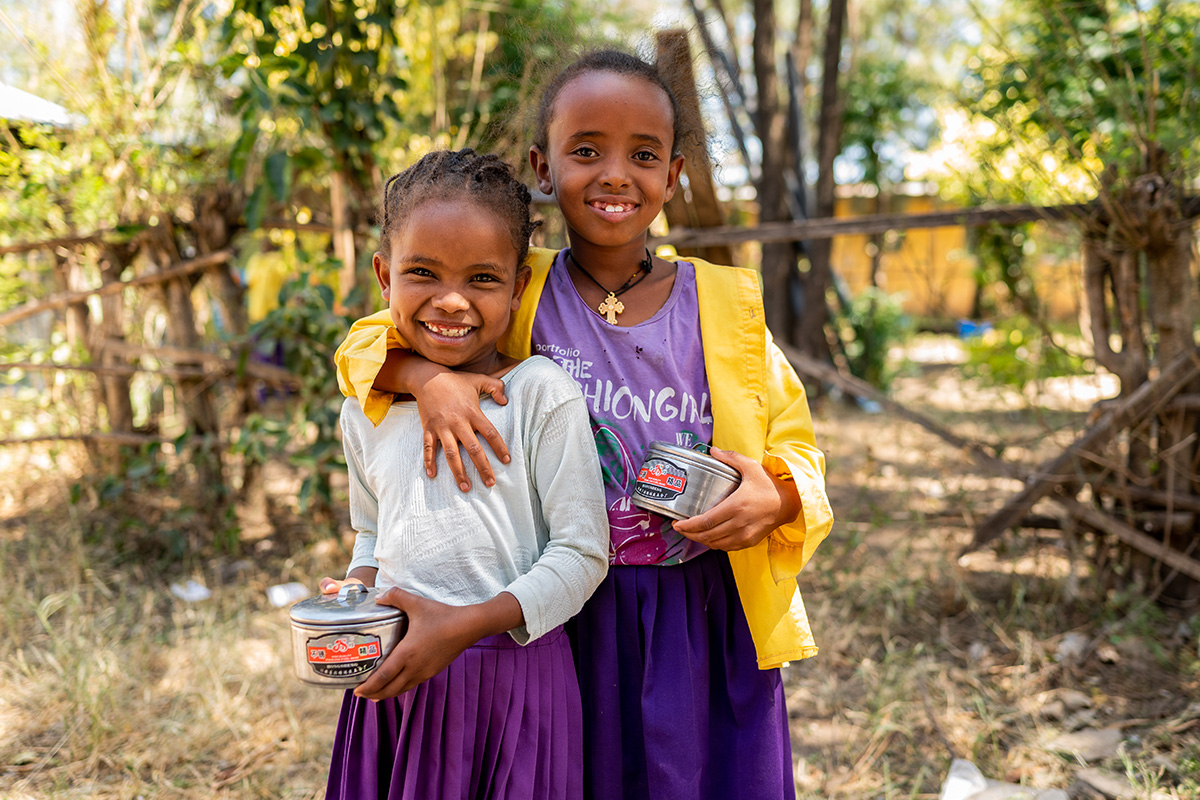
x,y
642,384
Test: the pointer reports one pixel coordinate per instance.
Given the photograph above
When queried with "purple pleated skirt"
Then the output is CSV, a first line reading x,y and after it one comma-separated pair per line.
x,y
502,722
674,704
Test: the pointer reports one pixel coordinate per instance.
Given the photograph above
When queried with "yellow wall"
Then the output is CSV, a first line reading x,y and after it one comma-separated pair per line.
x,y
933,267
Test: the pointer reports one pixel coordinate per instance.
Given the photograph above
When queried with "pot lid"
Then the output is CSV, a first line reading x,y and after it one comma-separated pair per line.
x,y
692,458
352,605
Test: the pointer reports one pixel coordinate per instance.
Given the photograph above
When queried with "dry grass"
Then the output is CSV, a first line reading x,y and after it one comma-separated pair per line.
x,y
925,657
112,688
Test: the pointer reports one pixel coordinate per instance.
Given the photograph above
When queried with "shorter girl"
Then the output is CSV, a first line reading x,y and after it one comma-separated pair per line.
x,y
480,698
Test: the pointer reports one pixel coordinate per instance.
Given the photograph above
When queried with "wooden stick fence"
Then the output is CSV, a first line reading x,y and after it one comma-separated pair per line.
x,y
65,299
825,228
218,366
49,244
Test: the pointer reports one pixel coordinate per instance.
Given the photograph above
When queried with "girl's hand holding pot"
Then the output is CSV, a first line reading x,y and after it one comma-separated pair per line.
x,y
759,505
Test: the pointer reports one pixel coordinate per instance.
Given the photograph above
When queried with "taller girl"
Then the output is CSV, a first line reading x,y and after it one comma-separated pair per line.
x,y
678,651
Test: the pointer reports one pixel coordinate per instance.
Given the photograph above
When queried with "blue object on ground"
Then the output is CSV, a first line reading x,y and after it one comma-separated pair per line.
x,y
968,328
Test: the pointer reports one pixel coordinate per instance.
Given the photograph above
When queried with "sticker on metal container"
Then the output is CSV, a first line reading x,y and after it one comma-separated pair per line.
x,y
344,655
660,479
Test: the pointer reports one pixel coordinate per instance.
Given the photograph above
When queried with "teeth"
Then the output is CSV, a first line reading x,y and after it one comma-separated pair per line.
x,y
614,208
443,330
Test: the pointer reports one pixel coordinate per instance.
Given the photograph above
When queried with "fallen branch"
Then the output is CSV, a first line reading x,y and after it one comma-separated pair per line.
x,y
1147,399
1176,375
1152,547
1179,501
819,370
60,301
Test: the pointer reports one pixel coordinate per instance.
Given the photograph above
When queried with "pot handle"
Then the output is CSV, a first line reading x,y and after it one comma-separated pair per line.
x,y
346,589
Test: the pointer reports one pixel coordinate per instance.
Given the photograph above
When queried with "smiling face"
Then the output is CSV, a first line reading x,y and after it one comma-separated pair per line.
x,y
452,280
607,158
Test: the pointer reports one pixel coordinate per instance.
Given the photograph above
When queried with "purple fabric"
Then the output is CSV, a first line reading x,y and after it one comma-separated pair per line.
x,y
642,384
674,705
502,722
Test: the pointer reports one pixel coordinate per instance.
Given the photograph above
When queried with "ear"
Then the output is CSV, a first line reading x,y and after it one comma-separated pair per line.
x,y
673,171
541,169
383,275
524,273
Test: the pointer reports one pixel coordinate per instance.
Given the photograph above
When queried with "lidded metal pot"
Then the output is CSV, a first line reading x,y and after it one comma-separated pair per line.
x,y
338,639
679,482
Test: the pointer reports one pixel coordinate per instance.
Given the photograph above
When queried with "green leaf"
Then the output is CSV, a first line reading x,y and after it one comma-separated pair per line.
x,y
241,151
256,207
279,174
305,496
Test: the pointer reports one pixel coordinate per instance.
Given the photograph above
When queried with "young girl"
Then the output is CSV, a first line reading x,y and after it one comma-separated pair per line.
x,y
488,702
679,650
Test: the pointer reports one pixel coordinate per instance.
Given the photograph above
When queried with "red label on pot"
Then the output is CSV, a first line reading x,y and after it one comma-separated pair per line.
x,y
344,655
660,479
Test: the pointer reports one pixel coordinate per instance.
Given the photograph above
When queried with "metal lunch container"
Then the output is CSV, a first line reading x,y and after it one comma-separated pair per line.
x,y
679,483
337,639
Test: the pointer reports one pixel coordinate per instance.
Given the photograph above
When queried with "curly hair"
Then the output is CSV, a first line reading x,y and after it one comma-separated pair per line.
x,y
458,174
615,61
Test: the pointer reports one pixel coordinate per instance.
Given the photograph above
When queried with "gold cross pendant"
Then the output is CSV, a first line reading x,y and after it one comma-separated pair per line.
x,y
610,308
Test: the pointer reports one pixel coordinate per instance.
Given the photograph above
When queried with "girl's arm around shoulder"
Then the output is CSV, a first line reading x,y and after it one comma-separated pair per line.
x,y
792,454
359,358
374,365
566,476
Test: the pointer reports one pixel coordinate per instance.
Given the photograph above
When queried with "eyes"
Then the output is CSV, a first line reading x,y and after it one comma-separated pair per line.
x,y
645,155
426,272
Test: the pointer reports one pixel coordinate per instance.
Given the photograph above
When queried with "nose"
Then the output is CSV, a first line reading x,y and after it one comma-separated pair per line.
x,y
615,174
451,302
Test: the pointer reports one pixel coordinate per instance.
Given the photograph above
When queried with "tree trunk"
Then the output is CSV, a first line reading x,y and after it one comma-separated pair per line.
x,y
797,132
79,337
778,258
193,394
112,328
214,226
1168,254
674,61
343,236
812,323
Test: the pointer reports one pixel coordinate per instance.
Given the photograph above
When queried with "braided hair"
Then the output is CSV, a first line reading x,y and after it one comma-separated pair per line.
x,y
615,61
453,175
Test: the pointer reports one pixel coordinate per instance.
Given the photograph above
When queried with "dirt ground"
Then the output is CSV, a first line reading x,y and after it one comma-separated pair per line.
x,y
113,687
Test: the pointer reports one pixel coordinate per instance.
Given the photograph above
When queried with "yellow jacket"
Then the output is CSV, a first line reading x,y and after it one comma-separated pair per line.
x,y
759,409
